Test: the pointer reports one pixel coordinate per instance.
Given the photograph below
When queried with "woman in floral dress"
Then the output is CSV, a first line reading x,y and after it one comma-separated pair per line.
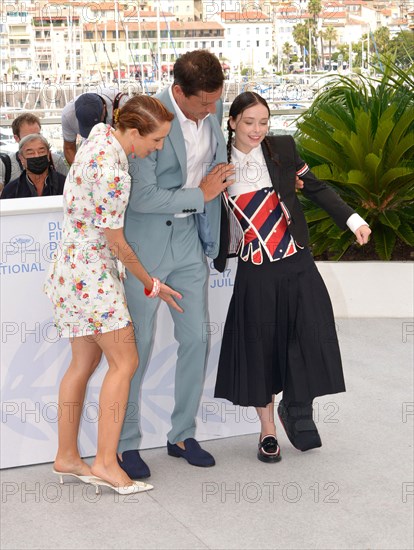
x,y
86,288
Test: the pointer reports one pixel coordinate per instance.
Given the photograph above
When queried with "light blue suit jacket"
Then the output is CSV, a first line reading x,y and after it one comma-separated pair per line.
x,y
157,194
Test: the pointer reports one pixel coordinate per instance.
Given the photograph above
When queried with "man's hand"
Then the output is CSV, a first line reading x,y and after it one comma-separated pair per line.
x,y
217,181
362,234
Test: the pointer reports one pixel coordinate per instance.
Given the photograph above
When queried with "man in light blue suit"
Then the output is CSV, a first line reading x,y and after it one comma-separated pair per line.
x,y
173,219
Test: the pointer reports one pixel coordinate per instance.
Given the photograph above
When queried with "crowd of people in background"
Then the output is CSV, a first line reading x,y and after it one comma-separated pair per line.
x,y
79,116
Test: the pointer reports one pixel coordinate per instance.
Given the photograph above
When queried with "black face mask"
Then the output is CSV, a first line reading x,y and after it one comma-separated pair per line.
x,y
37,165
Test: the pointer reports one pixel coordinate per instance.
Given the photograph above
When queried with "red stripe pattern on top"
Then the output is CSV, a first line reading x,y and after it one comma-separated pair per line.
x,y
264,226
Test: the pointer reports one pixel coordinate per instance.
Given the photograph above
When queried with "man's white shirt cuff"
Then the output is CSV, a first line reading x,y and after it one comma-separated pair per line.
x,y
355,221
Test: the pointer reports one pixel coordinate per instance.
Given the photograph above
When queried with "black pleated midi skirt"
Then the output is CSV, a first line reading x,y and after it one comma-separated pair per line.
x,y
279,335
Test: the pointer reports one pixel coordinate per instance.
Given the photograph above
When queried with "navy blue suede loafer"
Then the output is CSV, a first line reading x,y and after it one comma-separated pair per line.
x,y
193,453
133,465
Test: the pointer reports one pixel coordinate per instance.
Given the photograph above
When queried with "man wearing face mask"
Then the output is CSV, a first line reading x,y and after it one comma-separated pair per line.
x,y
10,165
39,177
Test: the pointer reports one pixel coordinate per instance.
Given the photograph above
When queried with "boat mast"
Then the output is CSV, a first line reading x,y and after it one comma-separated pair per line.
x,y
117,40
140,49
158,46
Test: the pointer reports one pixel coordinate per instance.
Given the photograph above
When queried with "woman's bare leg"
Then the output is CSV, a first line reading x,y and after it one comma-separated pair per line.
x,y
267,418
120,351
86,355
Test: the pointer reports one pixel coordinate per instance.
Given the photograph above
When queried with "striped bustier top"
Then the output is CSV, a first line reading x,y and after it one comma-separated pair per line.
x,y
264,224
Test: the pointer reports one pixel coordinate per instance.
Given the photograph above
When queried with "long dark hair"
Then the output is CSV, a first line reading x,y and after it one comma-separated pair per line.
x,y
242,102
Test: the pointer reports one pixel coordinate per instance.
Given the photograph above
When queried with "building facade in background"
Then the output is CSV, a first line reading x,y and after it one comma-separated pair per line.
x,y
62,41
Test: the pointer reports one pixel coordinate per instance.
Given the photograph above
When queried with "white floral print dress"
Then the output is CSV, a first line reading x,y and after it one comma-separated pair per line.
x,y
83,281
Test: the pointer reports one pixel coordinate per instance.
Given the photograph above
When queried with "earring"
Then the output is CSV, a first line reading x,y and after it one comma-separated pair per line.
x,y
133,151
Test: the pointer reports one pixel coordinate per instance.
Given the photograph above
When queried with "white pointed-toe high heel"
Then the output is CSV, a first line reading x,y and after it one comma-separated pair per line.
x,y
84,479
135,487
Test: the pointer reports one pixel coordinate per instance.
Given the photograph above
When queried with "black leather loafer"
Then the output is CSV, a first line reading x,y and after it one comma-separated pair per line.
x,y
269,450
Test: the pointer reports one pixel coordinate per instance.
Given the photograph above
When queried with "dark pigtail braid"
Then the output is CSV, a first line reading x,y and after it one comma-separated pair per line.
x,y
229,141
269,150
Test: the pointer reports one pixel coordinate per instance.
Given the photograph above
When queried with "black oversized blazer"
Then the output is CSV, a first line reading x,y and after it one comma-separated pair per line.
x,y
283,165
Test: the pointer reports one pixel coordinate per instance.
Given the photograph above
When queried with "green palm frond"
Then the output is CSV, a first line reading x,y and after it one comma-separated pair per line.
x,y
398,153
394,174
359,136
405,233
323,152
384,130
384,239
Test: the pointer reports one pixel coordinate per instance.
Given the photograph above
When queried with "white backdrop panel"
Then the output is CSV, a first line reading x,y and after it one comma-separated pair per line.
x,y
33,359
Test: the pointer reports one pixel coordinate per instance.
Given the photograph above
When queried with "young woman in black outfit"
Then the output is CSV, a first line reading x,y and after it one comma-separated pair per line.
x,y
280,331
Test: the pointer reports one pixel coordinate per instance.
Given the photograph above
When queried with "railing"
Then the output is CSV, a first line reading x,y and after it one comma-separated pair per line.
x,y
282,122
53,96
288,97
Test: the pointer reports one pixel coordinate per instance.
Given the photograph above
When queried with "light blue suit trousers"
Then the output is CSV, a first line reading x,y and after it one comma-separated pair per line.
x,y
174,250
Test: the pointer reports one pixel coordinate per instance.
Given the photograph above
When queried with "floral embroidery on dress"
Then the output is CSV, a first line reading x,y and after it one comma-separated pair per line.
x,y
83,281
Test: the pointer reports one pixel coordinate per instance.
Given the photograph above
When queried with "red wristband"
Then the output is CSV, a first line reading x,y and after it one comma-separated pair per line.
x,y
156,287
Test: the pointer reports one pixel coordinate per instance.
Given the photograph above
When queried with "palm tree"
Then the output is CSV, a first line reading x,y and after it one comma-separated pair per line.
x,y
13,70
273,61
330,34
382,39
403,47
314,8
286,52
359,136
301,37
321,35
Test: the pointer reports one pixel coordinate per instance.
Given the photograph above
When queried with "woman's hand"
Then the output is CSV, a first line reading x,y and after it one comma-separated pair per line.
x,y
362,234
299,184
122,250
168,294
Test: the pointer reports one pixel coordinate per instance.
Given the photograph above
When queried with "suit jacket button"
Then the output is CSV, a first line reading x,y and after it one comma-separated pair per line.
x,y
169,222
